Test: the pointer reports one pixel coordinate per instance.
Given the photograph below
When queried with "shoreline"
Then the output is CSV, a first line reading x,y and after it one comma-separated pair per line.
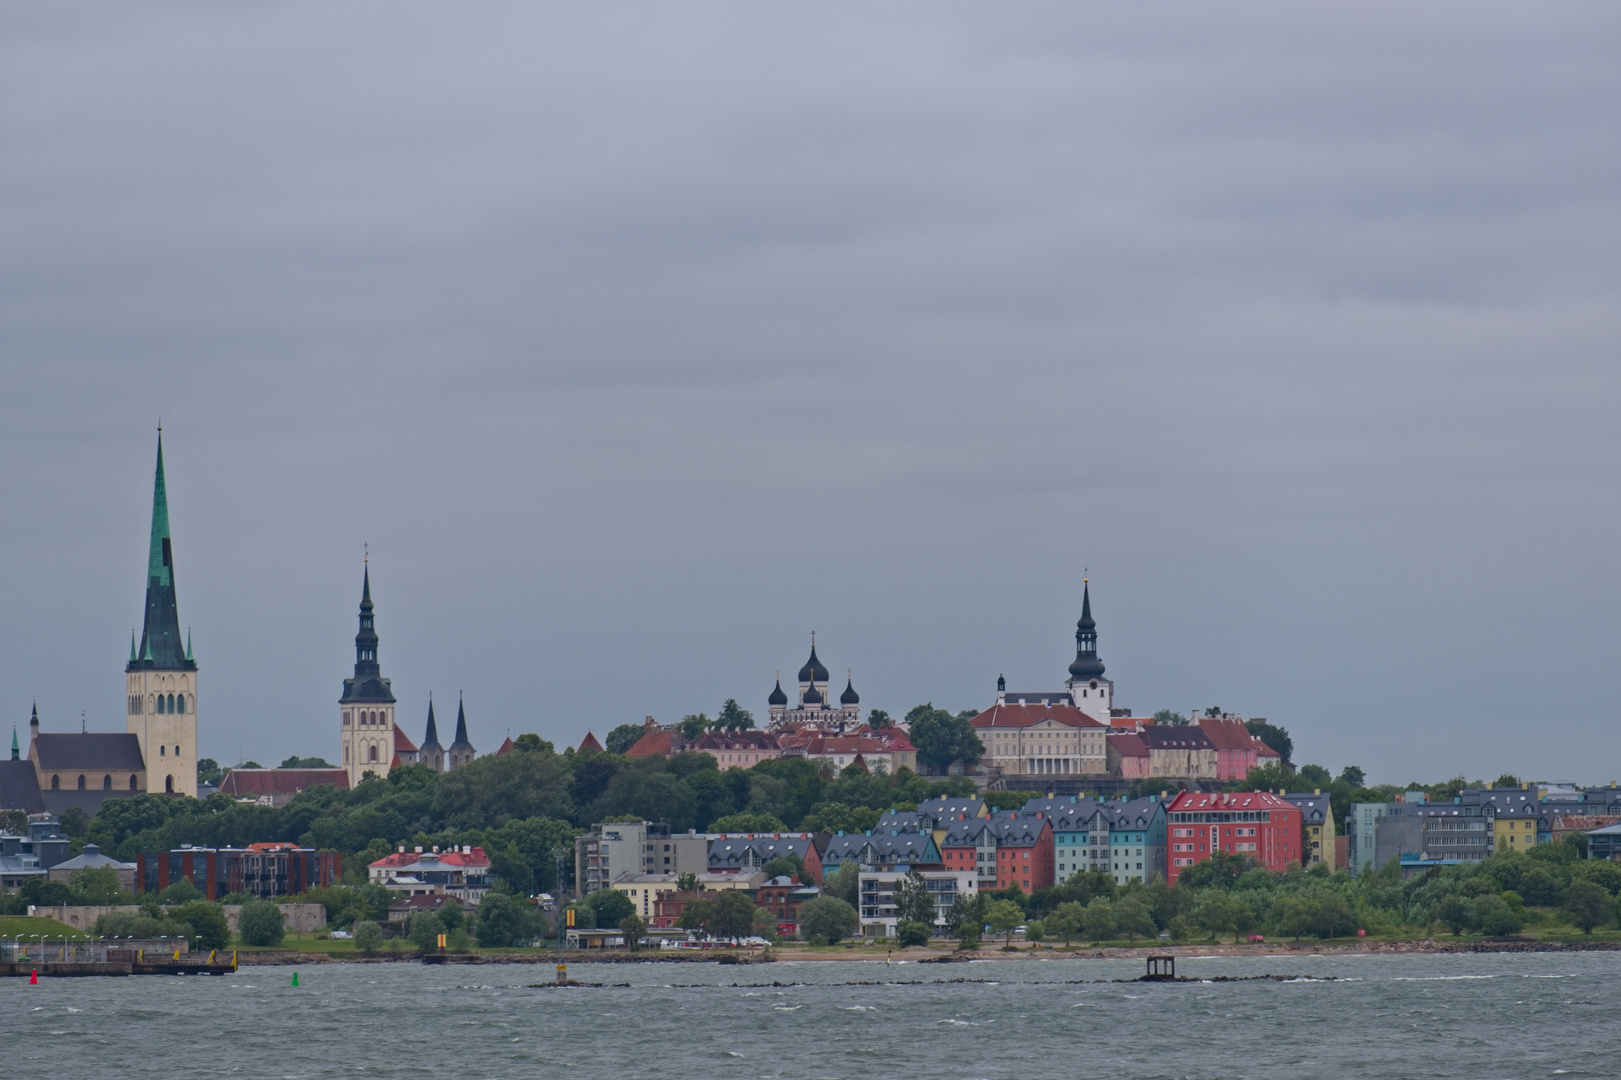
x,y
922,954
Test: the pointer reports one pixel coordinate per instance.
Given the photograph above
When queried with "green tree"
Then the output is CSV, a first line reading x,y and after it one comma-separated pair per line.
x,y
634,930
1498,918
296,762
1455,913
368,937
909,932
734,914
734,717
844,883
261,923
424,931
1098,920
610,906
1272,735
1587,905
1315,776
98,886
698,914
879,720
686,882
1169,718
748,821
74,822
1352,776
623,737
1214,914
1004,917
693,725
209,772
209,930
913,900
827,920
1132,918
786,866
503,920
181,892
942,738
1067,921
1507,780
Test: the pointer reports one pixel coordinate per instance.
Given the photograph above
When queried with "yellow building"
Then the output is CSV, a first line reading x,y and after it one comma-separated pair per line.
x,y
1316,828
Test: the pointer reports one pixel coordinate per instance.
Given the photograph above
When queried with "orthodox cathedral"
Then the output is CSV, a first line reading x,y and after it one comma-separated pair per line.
x,y
814,705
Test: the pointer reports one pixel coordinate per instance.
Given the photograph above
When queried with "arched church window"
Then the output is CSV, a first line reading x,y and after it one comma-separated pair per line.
x,y
81,781
132,782
171,703
168,785
180,702
162,750
107,782
371,753
56,783
177,751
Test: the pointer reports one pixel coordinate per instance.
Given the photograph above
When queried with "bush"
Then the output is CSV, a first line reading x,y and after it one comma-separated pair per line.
x,y
425,930
261,923
503,920
910,932
1587,905
610,906
827,920
1035,930
368,937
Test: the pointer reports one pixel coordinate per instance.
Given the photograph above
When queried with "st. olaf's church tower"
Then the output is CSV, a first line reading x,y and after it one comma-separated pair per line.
x,y
161,676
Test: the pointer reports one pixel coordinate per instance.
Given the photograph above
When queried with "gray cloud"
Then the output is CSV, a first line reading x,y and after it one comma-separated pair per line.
x,y
640,340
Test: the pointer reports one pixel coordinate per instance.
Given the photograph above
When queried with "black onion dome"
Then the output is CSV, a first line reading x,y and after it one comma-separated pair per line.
x,y
813,671
813,696
777,696
849,697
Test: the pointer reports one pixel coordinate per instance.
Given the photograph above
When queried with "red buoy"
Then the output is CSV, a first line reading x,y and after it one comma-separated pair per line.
x,y
33,977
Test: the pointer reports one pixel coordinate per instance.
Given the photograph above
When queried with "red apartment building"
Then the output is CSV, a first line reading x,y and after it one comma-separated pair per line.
x,y
1024,851
1254,823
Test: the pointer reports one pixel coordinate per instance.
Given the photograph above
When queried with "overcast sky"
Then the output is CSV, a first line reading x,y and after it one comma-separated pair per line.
x,y
640,341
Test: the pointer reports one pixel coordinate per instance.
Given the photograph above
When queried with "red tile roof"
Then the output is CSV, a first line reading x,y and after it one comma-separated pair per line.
x,y
255,782
402,744
453,857
1242,800
506,747
655,743
1227,734
590,742
1127,744
1021,716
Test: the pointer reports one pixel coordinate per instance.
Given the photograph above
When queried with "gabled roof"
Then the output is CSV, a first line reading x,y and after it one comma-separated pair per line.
x,y
967,832
888,846
757,849
87,752
1227,734
506,747
949,808
253,782
590,743
19,787
1159,737
1023,716
402,742
1015,829
1314,809
1127,744
660,742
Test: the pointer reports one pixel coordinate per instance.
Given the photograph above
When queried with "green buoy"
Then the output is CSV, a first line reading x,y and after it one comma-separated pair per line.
x,y
295,978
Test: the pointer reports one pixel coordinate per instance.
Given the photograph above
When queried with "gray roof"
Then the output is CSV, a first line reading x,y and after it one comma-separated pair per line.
x,y
755,850
19,787
88,752
959,806
1172,737
91,858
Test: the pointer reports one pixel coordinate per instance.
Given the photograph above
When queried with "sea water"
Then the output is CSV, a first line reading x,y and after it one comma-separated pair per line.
x,y
1477,1016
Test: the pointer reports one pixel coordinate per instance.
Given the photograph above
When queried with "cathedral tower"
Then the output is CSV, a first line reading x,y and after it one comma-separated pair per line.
x,y
367,705
1088,689
161,676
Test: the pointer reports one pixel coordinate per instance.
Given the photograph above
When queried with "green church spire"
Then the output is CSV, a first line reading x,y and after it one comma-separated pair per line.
x,y
161,646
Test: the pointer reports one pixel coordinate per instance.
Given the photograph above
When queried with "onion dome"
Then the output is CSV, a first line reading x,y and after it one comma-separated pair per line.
x,y
813,671
813,696
1087,665
777,696
849,697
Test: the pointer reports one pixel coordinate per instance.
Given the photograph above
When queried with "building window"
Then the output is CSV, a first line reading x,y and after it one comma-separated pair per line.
x,y
132,782
162,750
107,782
81,781
168,785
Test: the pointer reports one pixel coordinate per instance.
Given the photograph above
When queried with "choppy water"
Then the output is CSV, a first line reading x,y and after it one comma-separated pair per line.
x,y
1481,1017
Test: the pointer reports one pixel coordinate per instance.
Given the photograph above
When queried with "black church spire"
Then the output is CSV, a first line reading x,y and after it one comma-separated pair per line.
x,y
1087,665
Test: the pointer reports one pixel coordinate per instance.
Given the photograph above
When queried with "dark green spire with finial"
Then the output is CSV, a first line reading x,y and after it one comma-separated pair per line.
x,y
16,750
368,685
1087,666
161,646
